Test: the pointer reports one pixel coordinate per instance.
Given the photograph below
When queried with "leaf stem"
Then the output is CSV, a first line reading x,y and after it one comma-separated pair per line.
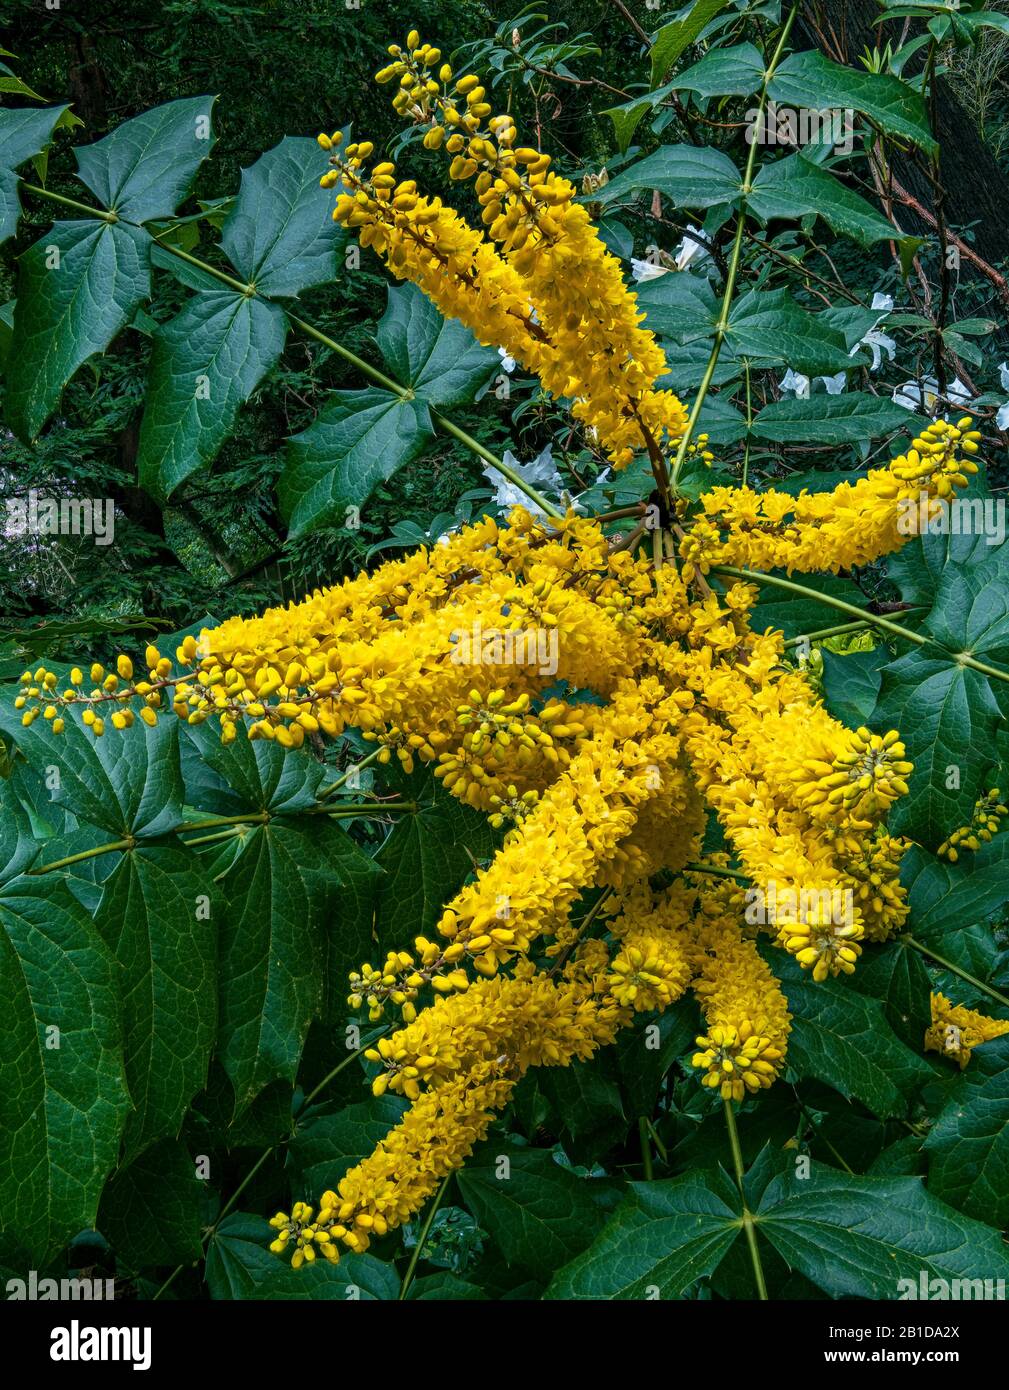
x,y
84,854
748,1222
875,619
646,1148
948,965
717,871
424,1233
722,326
71,203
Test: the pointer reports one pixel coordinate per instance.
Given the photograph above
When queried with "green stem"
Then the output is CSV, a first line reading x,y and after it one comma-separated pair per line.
x,y
646,1149
357,767
424,1233
749,422
876,619
838,631
722,326
84,854
71,203
663,1153
748,1223
365,368
948,965
717,872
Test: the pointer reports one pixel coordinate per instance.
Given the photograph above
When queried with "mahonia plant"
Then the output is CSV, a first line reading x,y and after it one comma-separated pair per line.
x,y
674,707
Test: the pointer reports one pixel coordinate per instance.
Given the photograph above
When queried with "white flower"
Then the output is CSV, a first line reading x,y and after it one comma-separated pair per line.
x,y
1002,418
834,384
924,397
541,474
796,382
647,270
691,248
874,340
507,361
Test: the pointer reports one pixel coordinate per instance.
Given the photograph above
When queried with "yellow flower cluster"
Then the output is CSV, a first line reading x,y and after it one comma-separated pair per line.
x,y
955,1030
985,822
747,1016
554,297
852,525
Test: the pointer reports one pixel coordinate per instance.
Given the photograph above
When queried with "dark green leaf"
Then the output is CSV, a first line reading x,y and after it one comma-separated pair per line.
x,y
64,1097
157,918
360,439
279,235
206,363
144,169
438,358
968,1147
859,1237
77,287
795,187
662,1238
326,1146
810,80
691,176
539,1214
676,36
826,419
153,1212
240,1266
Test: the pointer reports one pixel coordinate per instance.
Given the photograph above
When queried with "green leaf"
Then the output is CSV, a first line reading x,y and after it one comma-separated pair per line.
x,y
858,1237
157,918
769,325
435,357
691,176
947,898
152,1213
247,775
64,1097
968,1146
240,1266
647,1050
77,287
326,1146
207,361
359,439
23,134
676,36
795,615
539,1214
947,718
662,1238
851,683
127,783
723,72
144,169
808,79
588,1103
796,187
279,234
843,1039
427,857
845,419
895,974
679,305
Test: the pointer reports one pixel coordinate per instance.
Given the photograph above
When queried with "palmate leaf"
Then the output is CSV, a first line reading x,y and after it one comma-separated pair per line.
x,y
537,1212
206,363
157,916
153,1212
662,1239
240,1266
77,287
327,1145
23,134
435,357
968,1147
809,80
690,176
858,1237
946,898
278,235
64,1098
145,167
